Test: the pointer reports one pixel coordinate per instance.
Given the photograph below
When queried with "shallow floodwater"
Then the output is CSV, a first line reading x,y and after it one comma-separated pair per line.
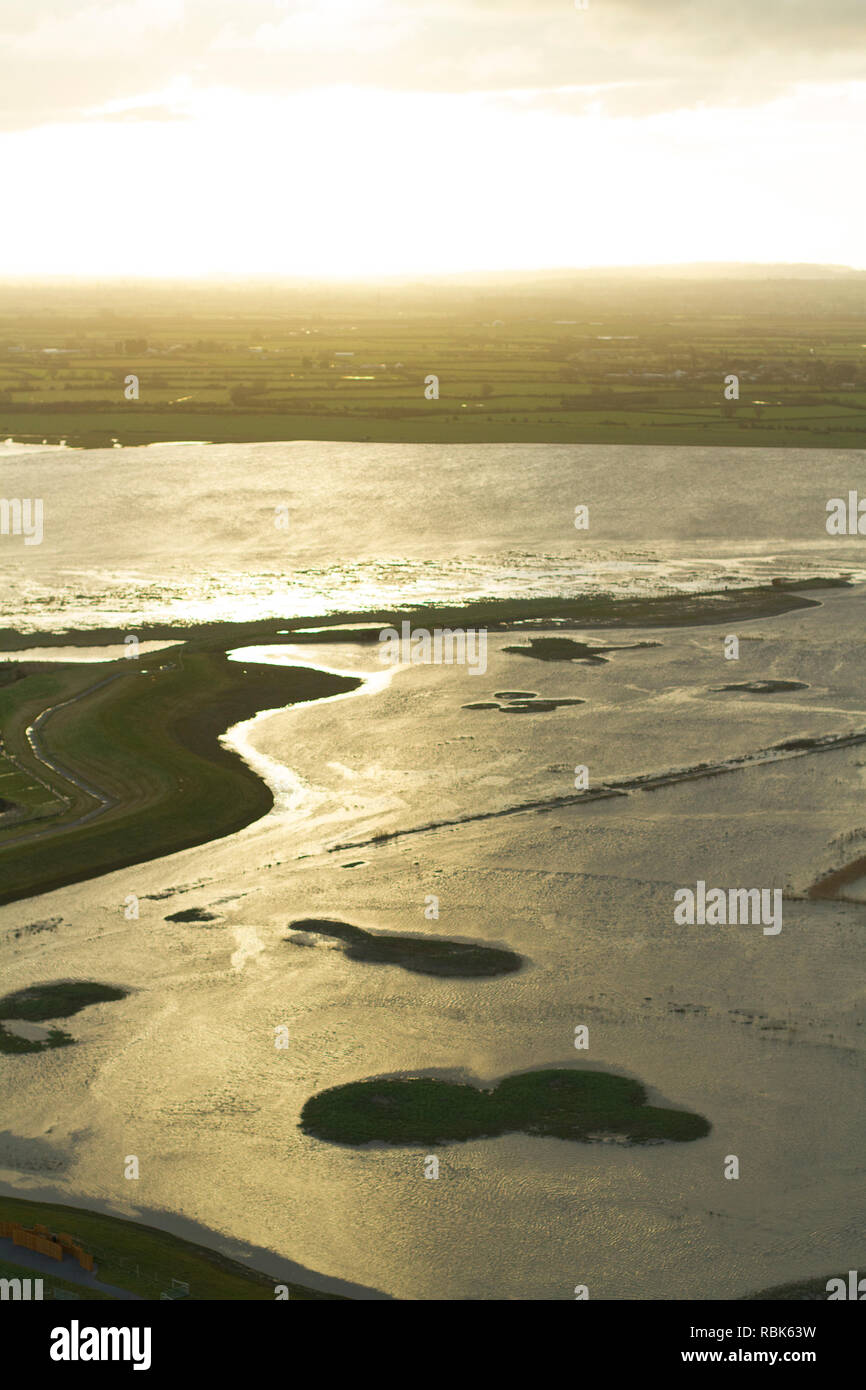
x,y
762,1035
111,651
196,533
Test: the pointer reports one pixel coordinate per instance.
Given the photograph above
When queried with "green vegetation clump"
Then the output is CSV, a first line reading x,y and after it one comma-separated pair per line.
x,y
422,955
61,1000
537,706
557,649
528,704
12,1043
566,649
40,1002
584,1106
819,581
761,687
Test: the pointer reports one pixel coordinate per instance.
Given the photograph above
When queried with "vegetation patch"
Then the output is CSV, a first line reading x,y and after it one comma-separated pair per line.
x,y
536,706
527,704
193,914
584,1106
14,1042
39,1002
761,687
422,955
567,649
60,1000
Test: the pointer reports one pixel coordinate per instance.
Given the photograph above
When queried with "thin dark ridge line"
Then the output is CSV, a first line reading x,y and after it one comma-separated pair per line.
x,y
622,787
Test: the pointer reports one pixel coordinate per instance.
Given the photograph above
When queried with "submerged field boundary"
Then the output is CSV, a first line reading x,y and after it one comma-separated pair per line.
x,y
624,786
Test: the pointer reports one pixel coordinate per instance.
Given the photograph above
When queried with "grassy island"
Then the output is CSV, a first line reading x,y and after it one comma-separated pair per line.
x,y
585,1106
423,955
38,1003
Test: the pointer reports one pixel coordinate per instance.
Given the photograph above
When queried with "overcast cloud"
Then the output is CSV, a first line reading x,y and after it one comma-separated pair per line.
x,y
61,61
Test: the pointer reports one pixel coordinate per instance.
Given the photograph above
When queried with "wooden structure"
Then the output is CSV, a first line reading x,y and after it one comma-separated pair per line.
x,y
44,1242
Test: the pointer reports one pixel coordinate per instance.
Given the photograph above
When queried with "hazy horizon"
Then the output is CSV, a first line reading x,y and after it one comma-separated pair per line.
x,y
702,270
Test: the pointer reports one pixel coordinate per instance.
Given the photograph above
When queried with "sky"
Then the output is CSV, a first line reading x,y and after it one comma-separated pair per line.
x,y
351,138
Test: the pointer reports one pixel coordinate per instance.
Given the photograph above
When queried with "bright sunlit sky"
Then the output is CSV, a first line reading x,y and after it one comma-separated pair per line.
x,y
366,137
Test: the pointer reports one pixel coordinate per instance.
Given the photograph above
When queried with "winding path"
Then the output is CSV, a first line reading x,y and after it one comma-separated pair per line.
x,y
39,752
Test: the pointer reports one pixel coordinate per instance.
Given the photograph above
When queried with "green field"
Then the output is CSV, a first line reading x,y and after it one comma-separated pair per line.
x,y
567,358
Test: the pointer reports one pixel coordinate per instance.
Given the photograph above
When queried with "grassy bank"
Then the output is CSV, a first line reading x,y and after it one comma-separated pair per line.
x,y
149,741
621,423
144,1259
601,610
